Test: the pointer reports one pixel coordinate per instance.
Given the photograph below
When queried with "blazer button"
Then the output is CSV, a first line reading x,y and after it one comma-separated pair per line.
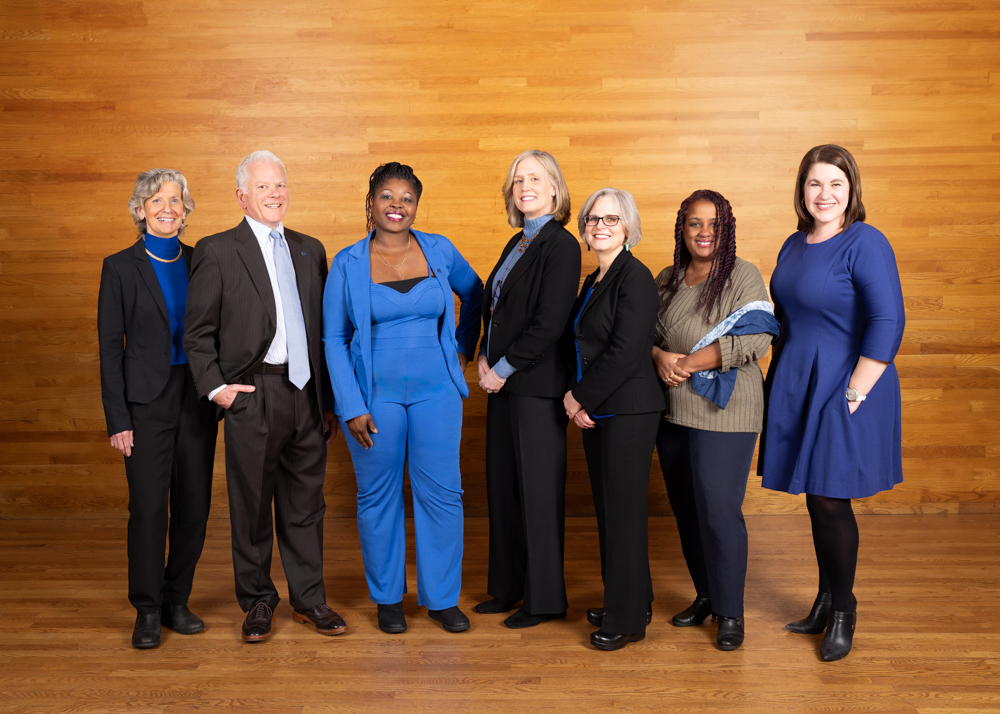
x,y
496,324
586,361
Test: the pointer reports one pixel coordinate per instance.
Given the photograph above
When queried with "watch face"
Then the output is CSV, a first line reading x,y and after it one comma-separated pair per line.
x,y
852,394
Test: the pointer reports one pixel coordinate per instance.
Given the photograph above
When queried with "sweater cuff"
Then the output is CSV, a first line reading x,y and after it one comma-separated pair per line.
x,y
503,368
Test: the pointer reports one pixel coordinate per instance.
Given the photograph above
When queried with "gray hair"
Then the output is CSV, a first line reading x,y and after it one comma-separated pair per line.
x,y
147,186
243,170
628,212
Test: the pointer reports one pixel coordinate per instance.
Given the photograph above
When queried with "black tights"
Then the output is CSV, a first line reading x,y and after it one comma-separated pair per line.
x,y
835,537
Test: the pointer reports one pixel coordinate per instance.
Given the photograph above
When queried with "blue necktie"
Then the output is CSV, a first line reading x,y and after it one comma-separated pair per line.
x,y
291,308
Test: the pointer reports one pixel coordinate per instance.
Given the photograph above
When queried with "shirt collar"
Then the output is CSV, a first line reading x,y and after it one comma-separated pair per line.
x,y
262,232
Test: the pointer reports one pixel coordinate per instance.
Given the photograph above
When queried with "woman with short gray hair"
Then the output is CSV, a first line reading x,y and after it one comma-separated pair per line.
x,y
614,397
154,417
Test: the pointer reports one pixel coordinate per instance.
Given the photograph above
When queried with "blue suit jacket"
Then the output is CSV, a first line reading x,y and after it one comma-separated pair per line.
x,y
347,336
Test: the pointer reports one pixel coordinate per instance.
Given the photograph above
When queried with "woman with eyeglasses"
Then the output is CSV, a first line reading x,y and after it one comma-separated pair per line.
x,y
526,303
715,322
615,398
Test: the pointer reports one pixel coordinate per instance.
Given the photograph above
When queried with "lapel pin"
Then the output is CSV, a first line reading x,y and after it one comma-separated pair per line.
x,y
304,253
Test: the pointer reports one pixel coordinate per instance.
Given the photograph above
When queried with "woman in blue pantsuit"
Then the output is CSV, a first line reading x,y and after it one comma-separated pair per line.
x,y
396,364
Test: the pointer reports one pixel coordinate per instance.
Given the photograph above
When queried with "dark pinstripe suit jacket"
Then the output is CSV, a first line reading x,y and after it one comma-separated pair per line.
x,y
230,318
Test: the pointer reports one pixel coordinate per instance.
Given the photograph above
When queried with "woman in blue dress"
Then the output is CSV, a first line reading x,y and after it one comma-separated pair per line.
x,y
833,415
396,365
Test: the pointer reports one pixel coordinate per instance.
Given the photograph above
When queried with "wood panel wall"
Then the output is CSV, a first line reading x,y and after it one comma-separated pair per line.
x,y
658,99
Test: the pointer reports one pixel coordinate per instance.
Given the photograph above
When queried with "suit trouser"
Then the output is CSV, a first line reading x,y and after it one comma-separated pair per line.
x,y
619,451
276,452
526,492
170,469
705,473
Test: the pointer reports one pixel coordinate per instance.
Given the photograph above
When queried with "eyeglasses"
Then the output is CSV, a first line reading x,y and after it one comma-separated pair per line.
x,y
609,221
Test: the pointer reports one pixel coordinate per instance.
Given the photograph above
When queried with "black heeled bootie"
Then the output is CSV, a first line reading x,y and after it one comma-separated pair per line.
x,y
391,618
839,636
700,609
815,621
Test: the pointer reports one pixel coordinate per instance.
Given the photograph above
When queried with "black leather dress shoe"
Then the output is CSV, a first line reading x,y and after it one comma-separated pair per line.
x,y
181,620
451,619
323,618
495,606
700,609
391,619
595,615
522,619
146,633
730,635
839,636
606,641
257,625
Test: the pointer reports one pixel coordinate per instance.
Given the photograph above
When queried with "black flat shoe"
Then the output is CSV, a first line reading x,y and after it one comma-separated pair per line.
x,y
181,620
146,633
839,636
815,622
730,635
495,606
699,611
606,641
452,619
595,615
391,619
522,620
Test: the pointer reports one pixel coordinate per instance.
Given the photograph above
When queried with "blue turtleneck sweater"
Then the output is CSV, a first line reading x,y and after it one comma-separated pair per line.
x,y
173,279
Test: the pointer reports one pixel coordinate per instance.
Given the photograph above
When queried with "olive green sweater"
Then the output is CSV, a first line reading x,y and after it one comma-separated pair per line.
x,y
680,327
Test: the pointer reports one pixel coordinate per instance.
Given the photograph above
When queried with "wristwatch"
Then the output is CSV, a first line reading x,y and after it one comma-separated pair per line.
x,y
854,396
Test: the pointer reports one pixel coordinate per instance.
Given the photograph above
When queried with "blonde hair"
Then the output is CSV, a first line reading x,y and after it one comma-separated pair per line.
x,y
561,205
628,214
148,184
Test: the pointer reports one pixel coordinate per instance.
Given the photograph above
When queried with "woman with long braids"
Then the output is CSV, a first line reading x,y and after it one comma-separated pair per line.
x,y
715,323
833,416
396,364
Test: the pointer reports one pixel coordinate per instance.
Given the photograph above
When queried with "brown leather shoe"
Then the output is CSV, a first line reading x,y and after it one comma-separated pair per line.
x,y
257,625
323,618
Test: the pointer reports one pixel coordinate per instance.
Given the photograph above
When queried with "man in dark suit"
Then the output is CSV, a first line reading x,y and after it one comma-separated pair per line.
x,y
253,335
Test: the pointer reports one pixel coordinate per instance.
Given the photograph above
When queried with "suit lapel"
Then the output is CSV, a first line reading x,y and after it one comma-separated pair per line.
x,y
602,287
187,251
249,251
145,267
530,253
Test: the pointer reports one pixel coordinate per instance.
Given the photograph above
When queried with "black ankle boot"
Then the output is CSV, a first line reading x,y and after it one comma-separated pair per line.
x,y
839,636
815,621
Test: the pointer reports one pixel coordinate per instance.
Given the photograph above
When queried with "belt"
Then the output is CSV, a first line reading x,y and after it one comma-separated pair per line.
x,y
265,368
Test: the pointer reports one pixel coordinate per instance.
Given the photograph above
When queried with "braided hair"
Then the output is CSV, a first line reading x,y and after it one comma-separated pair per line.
x,y
378,179
723,259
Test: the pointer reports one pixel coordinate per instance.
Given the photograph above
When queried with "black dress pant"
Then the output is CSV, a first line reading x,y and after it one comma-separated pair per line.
x,y
169,472
276,453
619,450
526,492
706,477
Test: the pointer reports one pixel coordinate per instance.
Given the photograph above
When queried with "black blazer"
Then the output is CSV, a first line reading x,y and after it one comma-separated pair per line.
x,y
615,335
133,333
532,309
231,316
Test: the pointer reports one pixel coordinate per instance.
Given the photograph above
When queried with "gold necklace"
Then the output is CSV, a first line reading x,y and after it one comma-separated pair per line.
x,y
385,262
180,252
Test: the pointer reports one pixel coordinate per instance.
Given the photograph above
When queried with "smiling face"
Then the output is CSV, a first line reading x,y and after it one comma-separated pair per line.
x,y
826,193
265,198
534,193
163,211
701,231
601,237
394,206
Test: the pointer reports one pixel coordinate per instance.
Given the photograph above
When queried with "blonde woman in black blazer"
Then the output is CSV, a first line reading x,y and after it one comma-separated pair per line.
x,y
526,303
154,417
615,398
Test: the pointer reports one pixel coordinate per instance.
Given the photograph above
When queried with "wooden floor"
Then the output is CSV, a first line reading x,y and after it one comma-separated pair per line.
x,y
927,640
